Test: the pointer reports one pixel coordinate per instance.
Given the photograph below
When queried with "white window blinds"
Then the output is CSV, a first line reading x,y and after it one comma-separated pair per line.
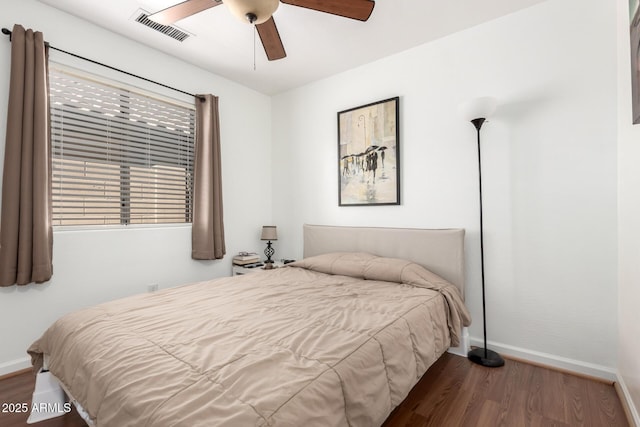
x,y
118,157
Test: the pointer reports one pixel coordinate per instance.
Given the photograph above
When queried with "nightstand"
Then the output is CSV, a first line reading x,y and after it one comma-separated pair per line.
x,y
239,270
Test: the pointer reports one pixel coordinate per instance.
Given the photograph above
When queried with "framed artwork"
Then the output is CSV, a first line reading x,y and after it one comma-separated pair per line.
x,y
369,154
634,30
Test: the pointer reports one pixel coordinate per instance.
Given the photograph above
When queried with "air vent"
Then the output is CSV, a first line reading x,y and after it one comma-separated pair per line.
x,y
167,30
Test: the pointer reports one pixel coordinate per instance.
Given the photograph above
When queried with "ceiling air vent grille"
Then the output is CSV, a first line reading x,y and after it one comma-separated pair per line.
x,y
167,30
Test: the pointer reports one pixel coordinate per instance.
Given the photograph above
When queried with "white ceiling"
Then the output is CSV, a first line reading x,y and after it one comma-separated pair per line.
x,y
317,44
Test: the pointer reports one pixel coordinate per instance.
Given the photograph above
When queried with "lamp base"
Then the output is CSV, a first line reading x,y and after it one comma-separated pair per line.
x,y
492,359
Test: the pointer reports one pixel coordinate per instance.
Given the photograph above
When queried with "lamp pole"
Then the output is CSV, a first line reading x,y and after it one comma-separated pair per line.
x,y
483,356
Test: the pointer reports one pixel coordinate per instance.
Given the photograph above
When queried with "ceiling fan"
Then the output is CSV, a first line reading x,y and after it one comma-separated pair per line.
x,y
259,13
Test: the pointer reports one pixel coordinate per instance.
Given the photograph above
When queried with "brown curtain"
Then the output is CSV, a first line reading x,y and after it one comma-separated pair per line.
x,y
26,236
207,234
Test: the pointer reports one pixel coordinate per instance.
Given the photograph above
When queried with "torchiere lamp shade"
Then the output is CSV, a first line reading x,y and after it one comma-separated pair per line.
x,y
478,108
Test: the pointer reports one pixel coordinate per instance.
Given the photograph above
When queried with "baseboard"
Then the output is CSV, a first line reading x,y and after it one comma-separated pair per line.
x,y
12,366
552,361
627,403
464,346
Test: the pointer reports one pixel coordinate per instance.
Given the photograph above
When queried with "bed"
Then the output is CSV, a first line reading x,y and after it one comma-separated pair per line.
x,y
338,338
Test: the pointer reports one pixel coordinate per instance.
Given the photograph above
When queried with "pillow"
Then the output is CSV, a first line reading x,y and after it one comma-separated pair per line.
x,y
363,265
360,265
386,269
371,267
341,263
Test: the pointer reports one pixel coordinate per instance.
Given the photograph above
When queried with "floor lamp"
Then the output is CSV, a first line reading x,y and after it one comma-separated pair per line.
x,y
476,111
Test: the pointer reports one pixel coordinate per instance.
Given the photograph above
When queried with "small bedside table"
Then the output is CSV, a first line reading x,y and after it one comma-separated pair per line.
x,y
239,270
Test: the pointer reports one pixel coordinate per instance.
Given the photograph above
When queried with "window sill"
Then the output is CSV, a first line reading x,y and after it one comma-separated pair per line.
x,y
116,227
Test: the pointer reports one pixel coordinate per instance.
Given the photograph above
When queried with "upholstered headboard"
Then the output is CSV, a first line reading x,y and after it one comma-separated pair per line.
x,y
441,251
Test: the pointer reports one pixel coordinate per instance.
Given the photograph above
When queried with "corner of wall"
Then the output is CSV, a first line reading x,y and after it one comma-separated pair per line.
x,y
627,402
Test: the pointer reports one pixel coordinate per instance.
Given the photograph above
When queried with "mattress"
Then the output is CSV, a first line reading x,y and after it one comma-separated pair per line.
x,y
338,340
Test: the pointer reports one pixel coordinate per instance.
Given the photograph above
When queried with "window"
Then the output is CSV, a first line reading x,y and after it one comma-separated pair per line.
x,y
119,156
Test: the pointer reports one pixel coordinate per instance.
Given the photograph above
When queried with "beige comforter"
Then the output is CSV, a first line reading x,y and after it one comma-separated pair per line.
x,y
290,347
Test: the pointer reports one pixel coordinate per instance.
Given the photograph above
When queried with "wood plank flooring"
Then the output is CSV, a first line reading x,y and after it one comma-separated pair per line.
x,y
454,392
18,389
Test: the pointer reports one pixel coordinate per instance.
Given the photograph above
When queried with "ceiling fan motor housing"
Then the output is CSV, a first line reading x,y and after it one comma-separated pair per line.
x,y
252,11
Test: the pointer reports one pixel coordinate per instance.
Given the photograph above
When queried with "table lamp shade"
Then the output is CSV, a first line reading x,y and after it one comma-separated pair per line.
x,y
269,233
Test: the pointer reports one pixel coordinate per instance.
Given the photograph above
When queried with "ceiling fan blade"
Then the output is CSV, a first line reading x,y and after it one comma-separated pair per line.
x,y
271,40
182,10
354,9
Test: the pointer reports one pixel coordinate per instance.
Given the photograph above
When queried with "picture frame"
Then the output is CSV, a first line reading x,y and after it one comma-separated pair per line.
x,y
634,32
369,154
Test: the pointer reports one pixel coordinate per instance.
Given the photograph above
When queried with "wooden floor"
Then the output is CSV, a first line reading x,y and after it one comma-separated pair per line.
x,y
18,389
454,392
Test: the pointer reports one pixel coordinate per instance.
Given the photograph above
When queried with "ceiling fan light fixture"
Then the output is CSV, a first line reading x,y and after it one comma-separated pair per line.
x,y
246,10
251,17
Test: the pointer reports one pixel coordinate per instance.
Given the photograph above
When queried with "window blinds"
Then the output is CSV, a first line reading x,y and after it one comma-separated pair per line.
x,y
118,157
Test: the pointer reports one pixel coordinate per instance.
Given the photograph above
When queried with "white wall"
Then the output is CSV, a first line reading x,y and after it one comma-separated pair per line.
x,y
628,222
549,170
95,266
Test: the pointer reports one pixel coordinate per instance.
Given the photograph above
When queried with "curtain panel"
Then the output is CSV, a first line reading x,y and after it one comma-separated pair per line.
x,y
26,236
207,234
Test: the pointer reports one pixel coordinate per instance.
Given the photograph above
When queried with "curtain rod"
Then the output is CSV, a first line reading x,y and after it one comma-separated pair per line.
x,y
7,32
